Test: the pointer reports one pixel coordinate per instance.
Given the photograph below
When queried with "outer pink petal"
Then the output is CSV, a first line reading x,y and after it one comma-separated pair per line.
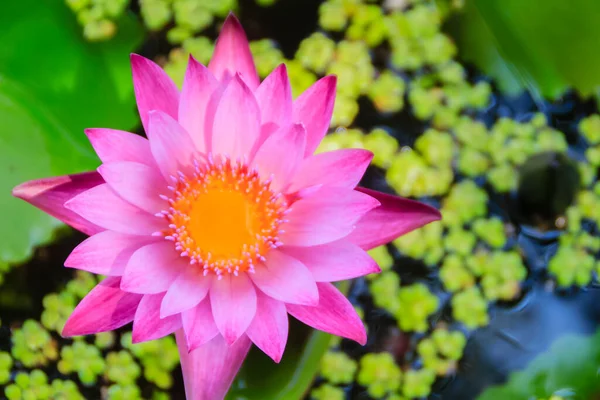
x,y
188,289
233,302
106,253
395,217
196,108
199,325
326,216
274,97
112,145
286,279
101,206
147,324
152,269
339,168
335,261
269,329
232,54
208,371
334,314
154,90
50,195
237,121
280,155
314,108
137,183
171,145
105,308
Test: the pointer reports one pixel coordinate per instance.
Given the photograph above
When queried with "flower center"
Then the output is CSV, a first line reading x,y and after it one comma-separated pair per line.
x,y
223,217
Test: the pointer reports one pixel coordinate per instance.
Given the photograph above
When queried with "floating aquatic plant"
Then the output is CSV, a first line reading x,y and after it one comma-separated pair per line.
x,y
213,234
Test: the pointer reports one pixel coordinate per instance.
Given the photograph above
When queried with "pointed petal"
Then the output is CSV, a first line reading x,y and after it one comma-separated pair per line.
x,y
152,269
106,253
51,194
199,325
335,261
112,145
154,90
334,314
280,155
313,109
208,371
105,308
237,121
101,206
326,216
147,324
188,289
137,183
286,279
274,97
269,328
232,54
339,168
170,144
233,302
200,90
395,217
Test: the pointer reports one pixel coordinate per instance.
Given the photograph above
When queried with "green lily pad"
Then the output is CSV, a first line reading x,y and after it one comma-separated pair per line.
x,y
546,46
569,369
54,84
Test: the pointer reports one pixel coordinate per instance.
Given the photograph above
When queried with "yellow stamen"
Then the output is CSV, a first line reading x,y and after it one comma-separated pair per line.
x,y
224,218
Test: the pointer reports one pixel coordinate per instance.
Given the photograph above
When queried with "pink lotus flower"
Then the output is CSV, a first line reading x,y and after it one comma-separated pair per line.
x,y
223,222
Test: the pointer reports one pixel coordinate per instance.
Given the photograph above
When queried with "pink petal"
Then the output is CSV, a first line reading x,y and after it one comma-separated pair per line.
x,y
274,97
233,302
137,183
200,91
112,145
269,329
237,121
152,269
313,109
147,324
334,315
154,90
208,371
188,289
105,308
339,168
101,206
106,253
51,194
326,216
395,217
280,155
171,145
232,54
199,325
284,278
335,261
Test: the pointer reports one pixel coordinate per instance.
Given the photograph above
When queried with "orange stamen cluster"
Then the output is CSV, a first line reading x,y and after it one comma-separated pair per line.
x,y
223,217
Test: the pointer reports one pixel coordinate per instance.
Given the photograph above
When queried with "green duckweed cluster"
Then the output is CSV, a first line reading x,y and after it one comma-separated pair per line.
x,y
98,17
108,362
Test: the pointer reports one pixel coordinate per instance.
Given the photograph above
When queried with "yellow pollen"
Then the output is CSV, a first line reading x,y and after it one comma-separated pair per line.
x,y
223,217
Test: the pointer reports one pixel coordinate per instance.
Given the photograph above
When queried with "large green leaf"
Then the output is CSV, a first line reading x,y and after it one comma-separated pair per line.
x,y
53,84
547,46
570,368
